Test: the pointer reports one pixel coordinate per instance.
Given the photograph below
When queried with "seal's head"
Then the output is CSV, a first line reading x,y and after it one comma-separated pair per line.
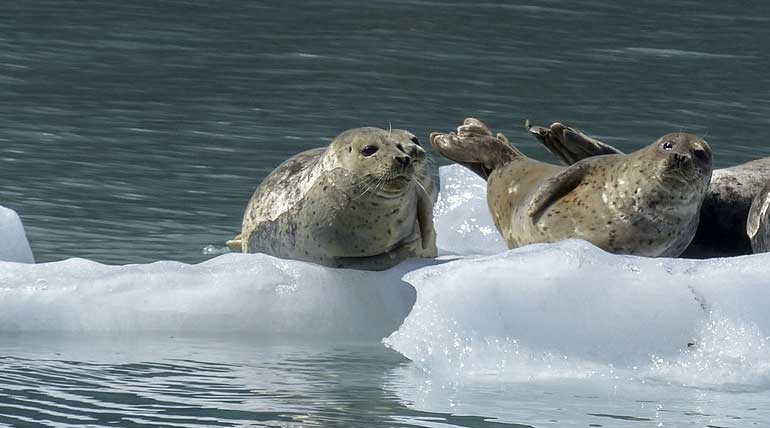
x,y
389,159
683,158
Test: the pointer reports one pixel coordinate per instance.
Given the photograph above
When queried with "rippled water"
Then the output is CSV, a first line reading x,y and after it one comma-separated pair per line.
x,y
132,132
170,382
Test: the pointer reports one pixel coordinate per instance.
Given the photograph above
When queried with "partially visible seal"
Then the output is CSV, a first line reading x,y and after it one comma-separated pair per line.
x,y
364,202
645,203
725,211
758,223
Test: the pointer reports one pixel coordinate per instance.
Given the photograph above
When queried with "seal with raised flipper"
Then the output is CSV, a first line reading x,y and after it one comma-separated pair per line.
x,y
726,227
645,203
363,202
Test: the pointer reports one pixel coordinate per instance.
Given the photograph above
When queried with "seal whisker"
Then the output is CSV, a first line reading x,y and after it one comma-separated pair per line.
x,y
369,186
421,187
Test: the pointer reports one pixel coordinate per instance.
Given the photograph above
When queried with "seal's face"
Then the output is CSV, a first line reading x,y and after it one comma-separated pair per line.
x,y
388,160
683,157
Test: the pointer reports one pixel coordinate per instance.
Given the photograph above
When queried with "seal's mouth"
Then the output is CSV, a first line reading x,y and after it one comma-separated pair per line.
x,y
397,178
399,172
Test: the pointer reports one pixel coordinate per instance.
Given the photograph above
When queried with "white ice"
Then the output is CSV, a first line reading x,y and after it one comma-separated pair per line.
x,y
571,310
244,294
461,216
13,241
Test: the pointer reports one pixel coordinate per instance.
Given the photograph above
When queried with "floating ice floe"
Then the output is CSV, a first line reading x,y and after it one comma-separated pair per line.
x,y
13,241
573,310
244,294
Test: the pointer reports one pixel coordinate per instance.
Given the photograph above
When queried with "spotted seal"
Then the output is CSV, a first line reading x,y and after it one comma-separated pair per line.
x,y
364,202
645,203
724,228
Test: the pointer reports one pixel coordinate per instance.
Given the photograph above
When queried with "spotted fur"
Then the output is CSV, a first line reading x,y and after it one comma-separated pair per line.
x,y
645,203
339,207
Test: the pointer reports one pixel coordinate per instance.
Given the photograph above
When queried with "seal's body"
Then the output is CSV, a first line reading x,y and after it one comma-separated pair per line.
x,y
363,202
645,203
726,226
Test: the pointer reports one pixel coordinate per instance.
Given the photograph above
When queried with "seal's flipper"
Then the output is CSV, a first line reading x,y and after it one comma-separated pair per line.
x,y
473,126
425,223
555,188
757,222
474,147
570,145
235,244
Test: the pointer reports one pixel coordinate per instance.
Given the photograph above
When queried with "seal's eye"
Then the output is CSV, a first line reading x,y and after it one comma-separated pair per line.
x,y
369,150
416,141
668,145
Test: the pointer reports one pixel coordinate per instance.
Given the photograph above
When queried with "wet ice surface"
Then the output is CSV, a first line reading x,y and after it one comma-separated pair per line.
x,y
545,335
574,311
250,294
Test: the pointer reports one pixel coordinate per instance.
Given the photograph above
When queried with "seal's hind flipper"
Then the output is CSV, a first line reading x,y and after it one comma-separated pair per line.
x,y
570,145
474,147
555,188
235,244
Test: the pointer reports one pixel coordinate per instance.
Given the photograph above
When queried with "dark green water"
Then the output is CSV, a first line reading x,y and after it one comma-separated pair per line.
x,y
137,131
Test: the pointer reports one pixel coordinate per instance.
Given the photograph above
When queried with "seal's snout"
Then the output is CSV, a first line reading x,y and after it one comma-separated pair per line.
x,y
681,159
404,161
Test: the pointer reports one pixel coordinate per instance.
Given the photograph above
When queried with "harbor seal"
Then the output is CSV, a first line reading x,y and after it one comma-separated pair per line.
x,y
364,202
645,203
722,229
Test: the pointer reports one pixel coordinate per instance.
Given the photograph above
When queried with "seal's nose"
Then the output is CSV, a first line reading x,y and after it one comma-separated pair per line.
x,y
403,160
682,159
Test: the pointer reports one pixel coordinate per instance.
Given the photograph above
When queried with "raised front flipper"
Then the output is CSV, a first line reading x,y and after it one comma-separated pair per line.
x,y
556,188
570,145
